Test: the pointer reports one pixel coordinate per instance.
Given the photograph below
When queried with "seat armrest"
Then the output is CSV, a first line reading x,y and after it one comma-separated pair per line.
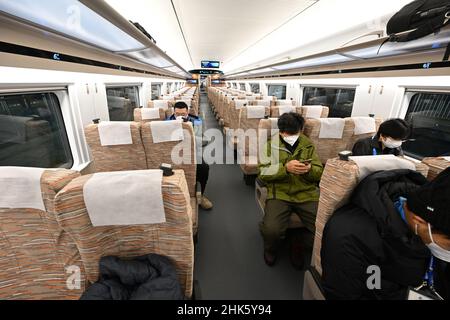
x,y
261,194
312,286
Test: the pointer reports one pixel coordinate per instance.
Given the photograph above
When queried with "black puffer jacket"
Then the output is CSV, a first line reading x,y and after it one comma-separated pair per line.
x,y
369,231
150,277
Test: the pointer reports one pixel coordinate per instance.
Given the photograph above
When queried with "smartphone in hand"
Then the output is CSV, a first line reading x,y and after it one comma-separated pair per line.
x,y
306,162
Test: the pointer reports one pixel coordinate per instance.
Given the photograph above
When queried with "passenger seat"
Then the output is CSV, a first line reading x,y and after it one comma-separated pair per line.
x,y
164,227
37,257
160,140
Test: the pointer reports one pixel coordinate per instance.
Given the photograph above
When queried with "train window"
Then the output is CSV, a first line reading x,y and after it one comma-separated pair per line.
x,y
235,86
32,132
156,90
339,100
429,116
278,91
242,87
169,88
255,88
121,102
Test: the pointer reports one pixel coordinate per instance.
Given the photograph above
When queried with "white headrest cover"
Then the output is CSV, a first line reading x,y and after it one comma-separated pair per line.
x,y
166,131
256,112
161,104
149,113
286,109
370,164
125,198
313,112
240,103
115,133
331,128
364,125
21,188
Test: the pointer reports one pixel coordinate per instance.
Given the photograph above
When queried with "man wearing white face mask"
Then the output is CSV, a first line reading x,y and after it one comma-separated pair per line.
x,y
181,112
292,175
388,140
399,222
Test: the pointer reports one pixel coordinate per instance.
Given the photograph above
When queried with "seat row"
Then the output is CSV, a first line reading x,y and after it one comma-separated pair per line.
x,y
124,146
189,96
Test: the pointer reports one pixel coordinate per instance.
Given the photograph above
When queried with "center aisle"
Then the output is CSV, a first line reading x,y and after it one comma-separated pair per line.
x,y
229,262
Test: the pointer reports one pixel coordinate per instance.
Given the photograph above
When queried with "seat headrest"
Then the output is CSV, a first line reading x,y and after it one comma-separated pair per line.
x,y
256,112
125,198
370,164
114,133
240,103
286,109
161,104
313,112
21,188
331,128
149,113
364,125
167,131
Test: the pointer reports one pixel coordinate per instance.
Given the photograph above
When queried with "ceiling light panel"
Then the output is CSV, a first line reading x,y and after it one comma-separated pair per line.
x,y
73,19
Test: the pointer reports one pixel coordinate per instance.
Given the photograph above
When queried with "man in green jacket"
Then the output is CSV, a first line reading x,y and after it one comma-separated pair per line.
x,y
291,171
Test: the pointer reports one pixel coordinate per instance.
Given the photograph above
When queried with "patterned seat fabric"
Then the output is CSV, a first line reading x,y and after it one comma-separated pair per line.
x,y
172,239
436,165
248,147
339,179
328,148
35,251
116,158
304,111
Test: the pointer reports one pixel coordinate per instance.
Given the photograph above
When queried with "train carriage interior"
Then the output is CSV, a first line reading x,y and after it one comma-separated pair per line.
x,y
224,150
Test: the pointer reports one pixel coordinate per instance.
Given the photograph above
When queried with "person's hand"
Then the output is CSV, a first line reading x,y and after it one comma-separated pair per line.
x,y
298,168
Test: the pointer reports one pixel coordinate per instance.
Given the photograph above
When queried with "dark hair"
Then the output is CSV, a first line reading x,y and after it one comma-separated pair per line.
x,y
397,129
181,105
291,123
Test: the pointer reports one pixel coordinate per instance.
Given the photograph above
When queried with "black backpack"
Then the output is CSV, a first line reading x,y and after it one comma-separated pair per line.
x,y
421,17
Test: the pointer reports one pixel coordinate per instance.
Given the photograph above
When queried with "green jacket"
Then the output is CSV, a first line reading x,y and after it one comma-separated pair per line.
x,y
286,186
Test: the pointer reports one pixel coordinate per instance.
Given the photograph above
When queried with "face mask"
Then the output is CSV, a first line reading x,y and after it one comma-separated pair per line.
x,y
291,140
392,144
437,250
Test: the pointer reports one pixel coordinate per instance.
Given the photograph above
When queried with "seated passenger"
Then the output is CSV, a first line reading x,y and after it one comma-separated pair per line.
x,y
292,177
396,222
388,140
181,113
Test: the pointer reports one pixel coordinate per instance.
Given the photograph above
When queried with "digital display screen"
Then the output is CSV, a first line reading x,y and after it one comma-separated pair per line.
x,y
211,64
216,82
192,81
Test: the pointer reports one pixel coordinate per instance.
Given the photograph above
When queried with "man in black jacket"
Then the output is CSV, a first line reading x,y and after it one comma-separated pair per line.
x,y
395,222
388,140
181,112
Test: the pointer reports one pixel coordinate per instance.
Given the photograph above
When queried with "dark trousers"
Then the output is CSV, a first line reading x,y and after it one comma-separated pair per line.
x,y
203,175
276,222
